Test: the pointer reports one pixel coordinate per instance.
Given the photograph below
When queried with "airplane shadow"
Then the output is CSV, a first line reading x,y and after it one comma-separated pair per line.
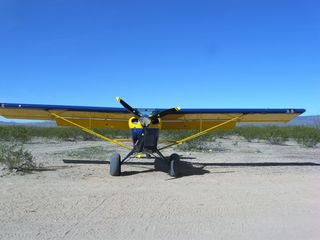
x,y
191,168
260,164
185,168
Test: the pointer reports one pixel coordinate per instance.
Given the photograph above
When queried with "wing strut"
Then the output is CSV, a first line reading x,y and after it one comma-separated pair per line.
x,y
91,132
203,132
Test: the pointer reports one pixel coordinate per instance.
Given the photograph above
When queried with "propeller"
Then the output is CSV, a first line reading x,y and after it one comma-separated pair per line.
x,y
129,108
163,113
146,120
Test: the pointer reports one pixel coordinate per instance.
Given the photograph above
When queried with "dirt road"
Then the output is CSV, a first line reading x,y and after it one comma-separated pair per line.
x,y
244,191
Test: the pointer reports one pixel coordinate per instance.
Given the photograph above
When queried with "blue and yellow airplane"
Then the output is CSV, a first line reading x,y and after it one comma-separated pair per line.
x,y
145,124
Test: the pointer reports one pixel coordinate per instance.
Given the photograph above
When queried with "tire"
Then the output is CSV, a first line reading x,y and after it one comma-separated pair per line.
x,y
115,165
174,165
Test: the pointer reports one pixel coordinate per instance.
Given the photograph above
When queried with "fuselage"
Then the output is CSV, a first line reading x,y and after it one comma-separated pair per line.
x,y
148,136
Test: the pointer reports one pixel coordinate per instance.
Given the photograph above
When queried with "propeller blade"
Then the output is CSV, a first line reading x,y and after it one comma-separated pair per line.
x,y
163,113
129,108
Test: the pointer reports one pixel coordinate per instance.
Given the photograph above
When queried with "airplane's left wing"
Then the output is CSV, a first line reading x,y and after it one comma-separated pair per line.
x,y
89,117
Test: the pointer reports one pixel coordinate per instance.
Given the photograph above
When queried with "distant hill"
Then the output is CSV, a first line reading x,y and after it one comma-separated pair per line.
x,y
305,120
299,121
31,124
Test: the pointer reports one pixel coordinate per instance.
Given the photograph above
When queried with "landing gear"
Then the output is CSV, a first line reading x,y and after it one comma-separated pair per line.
x,y
115,165
170,165
174,164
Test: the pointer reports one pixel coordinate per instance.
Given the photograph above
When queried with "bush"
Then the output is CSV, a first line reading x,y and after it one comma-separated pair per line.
x,y
248,133
15,133
14,156
307,137
24,134
309,142
275,135
194,145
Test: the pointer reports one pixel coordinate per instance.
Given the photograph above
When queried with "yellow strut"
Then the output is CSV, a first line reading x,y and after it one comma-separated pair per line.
x,y
207,130
202,132
91,132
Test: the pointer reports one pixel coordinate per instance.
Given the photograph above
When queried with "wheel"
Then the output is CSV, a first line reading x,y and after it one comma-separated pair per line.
x,y
115,165
174,162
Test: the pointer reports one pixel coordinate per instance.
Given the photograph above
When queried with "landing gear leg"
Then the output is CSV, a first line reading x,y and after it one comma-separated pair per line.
x,y
173,162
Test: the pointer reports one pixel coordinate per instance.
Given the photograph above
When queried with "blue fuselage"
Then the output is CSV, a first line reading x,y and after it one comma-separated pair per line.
x,y
149,137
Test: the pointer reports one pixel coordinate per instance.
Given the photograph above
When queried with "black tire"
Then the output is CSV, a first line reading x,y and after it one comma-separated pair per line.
x,y
115,165
174,165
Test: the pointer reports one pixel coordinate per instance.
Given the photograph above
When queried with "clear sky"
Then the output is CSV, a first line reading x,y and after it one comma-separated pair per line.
x,y
206,54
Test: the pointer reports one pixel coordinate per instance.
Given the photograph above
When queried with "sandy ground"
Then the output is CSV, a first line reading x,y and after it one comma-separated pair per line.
x,y
224,194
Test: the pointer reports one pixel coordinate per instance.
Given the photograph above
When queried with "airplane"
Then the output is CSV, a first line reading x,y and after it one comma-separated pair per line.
x,y
145,124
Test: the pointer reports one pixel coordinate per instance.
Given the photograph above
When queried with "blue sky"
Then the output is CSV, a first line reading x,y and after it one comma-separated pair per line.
x,y
206,54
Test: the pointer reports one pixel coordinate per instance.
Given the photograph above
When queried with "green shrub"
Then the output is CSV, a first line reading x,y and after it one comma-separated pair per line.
x,y
275,135
248,133
14,156
307,137
194,145
15,133
24,134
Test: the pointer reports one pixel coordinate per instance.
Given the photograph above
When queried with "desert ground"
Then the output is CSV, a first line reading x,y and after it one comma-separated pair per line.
x,y
238,190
